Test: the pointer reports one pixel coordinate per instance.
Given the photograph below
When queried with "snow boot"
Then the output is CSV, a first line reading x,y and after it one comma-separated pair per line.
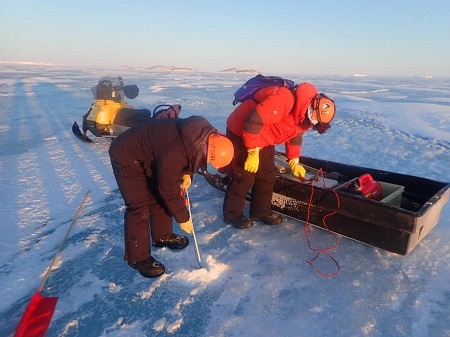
x,y
148,268
271,219
240,222
172,241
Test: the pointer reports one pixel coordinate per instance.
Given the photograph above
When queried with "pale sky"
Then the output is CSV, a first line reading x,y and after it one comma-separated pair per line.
x,y
383,37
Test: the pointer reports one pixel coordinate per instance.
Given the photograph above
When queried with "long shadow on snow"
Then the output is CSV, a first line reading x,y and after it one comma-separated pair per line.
x,y
112,294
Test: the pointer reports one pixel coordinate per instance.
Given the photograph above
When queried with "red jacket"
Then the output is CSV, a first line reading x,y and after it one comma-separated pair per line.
x,y
274,120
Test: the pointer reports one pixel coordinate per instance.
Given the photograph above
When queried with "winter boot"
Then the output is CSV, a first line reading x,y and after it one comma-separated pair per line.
x,y
172,241
240,222
271,219
148,268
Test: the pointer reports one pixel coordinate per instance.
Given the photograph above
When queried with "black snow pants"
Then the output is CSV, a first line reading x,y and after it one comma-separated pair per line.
x,y
261,183
144,207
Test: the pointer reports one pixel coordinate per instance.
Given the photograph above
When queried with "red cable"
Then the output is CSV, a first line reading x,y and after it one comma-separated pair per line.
x,y
307,229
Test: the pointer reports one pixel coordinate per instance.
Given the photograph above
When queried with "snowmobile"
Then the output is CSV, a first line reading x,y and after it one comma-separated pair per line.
x,y
388,210
110,115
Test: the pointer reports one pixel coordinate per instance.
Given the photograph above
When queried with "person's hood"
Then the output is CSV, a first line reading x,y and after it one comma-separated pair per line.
x,y
194,132
304,92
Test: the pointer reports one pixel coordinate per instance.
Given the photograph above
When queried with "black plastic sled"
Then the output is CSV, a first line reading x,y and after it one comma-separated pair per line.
x,y
405,210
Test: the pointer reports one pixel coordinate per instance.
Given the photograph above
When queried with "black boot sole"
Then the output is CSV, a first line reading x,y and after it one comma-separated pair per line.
x,y
160,245
269,223
148,275
237,225
168,244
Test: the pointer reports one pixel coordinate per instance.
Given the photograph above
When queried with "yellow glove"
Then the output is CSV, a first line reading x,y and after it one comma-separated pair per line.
x,y
297,169
187,226
252,162
185,181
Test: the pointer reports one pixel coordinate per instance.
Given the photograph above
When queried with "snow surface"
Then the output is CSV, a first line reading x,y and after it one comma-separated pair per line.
x,y
256,282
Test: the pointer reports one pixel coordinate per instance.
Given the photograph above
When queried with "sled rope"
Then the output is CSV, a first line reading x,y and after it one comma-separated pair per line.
x,y
77,214
308,230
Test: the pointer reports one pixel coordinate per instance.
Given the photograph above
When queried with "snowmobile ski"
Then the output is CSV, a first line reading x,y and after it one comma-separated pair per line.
x,y
77,132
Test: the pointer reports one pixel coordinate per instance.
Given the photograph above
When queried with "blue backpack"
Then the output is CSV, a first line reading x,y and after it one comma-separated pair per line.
x,y
248,90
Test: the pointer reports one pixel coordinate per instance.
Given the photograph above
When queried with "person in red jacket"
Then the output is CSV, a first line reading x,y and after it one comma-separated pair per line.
x,y
151,163
274,116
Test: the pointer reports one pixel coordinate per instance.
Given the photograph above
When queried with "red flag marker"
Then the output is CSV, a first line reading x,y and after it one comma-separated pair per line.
x,y
38,315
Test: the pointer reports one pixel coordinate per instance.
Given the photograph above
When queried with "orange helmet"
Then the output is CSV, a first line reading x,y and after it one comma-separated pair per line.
x,y
322,109
220,151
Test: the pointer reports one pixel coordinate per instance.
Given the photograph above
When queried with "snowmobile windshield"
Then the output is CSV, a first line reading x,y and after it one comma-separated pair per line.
x,y
109,88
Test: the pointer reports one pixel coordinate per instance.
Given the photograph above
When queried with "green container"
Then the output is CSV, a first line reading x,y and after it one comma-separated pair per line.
x,y
391,194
